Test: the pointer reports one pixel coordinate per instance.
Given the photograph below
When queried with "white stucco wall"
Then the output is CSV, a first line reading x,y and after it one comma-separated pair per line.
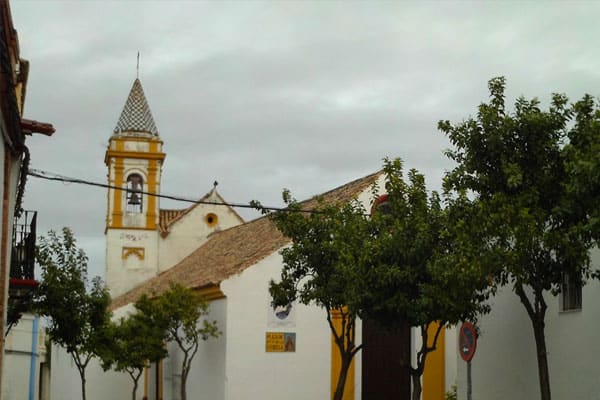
x,y
251,372
65,383
358,363
366,197
135,146
505,364
191,230
124,274
451,357
206,380
18,355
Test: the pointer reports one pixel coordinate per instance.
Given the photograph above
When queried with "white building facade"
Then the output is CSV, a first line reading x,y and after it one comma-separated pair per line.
x,y
505,362
27,373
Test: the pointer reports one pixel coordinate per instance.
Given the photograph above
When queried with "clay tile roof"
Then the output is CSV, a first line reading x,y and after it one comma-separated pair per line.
x,y
167,217
136,115
229,252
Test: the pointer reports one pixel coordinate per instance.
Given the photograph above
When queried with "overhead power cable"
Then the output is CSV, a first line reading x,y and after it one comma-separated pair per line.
x,y
50,176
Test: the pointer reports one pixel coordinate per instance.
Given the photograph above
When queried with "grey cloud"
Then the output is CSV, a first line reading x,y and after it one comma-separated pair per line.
x,y
266,95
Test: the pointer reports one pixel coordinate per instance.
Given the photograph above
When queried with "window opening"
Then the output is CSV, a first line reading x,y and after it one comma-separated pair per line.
x,y
211,219
135,183
570,293
381,204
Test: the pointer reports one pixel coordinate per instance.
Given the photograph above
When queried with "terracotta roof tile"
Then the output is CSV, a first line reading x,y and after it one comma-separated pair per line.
x,y
167,217
231,251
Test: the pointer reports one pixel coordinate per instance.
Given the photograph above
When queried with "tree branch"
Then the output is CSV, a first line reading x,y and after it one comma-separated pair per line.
x,y
435,337
524,299
331,326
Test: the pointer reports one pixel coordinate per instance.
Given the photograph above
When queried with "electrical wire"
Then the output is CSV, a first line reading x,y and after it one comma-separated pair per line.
x,y
50,176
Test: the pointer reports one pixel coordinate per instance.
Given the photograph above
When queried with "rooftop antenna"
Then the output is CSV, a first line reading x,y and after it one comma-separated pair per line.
x,y
137,70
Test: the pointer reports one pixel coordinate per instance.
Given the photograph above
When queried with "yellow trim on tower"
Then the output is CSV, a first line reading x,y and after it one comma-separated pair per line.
x,y
135,139
130,228
116,158
154,146
336,361
133,154
117,212
139,252
434,376
151,216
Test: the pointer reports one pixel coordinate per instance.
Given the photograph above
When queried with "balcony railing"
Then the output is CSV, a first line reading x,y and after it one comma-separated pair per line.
x,y
22,261
22,264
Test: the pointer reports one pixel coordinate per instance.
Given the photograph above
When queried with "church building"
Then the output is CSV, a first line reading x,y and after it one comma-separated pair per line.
x,y
260,354
142,239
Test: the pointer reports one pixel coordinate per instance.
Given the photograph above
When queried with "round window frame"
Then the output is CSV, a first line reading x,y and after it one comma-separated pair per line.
x,y
211,219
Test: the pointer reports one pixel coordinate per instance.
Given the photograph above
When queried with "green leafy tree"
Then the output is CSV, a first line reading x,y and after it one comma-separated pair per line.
x,y
536,179
413,274
396,268
76,308
317,268
130,344
177,313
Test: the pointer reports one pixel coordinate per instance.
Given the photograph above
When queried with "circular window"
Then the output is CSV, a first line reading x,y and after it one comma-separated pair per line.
x,y
211,219
381,204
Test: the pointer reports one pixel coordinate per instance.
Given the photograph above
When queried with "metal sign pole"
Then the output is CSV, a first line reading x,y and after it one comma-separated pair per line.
x,y
469,384
467,343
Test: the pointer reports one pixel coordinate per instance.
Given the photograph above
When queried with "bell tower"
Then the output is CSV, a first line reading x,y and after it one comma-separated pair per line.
x,y
134,159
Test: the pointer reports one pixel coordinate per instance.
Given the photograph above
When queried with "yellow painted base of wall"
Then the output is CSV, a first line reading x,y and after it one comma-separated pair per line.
x,y
336,362
434,376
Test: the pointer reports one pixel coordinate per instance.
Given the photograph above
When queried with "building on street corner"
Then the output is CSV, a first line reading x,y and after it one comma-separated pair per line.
x,y
19,359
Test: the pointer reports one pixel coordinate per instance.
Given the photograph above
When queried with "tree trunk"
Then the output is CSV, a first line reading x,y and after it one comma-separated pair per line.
x,y
542,358
537,315
417,373
416,381
135,386
82,375
183,391
184,374
341,383
81,365
344,341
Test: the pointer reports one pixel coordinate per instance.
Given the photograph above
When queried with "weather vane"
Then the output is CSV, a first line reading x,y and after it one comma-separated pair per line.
x,y
137,69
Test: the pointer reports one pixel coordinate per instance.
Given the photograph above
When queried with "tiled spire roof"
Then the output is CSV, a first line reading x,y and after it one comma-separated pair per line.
x,y
136,115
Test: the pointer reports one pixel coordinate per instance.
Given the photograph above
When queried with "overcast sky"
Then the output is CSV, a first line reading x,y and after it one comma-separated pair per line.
x,y
262,96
